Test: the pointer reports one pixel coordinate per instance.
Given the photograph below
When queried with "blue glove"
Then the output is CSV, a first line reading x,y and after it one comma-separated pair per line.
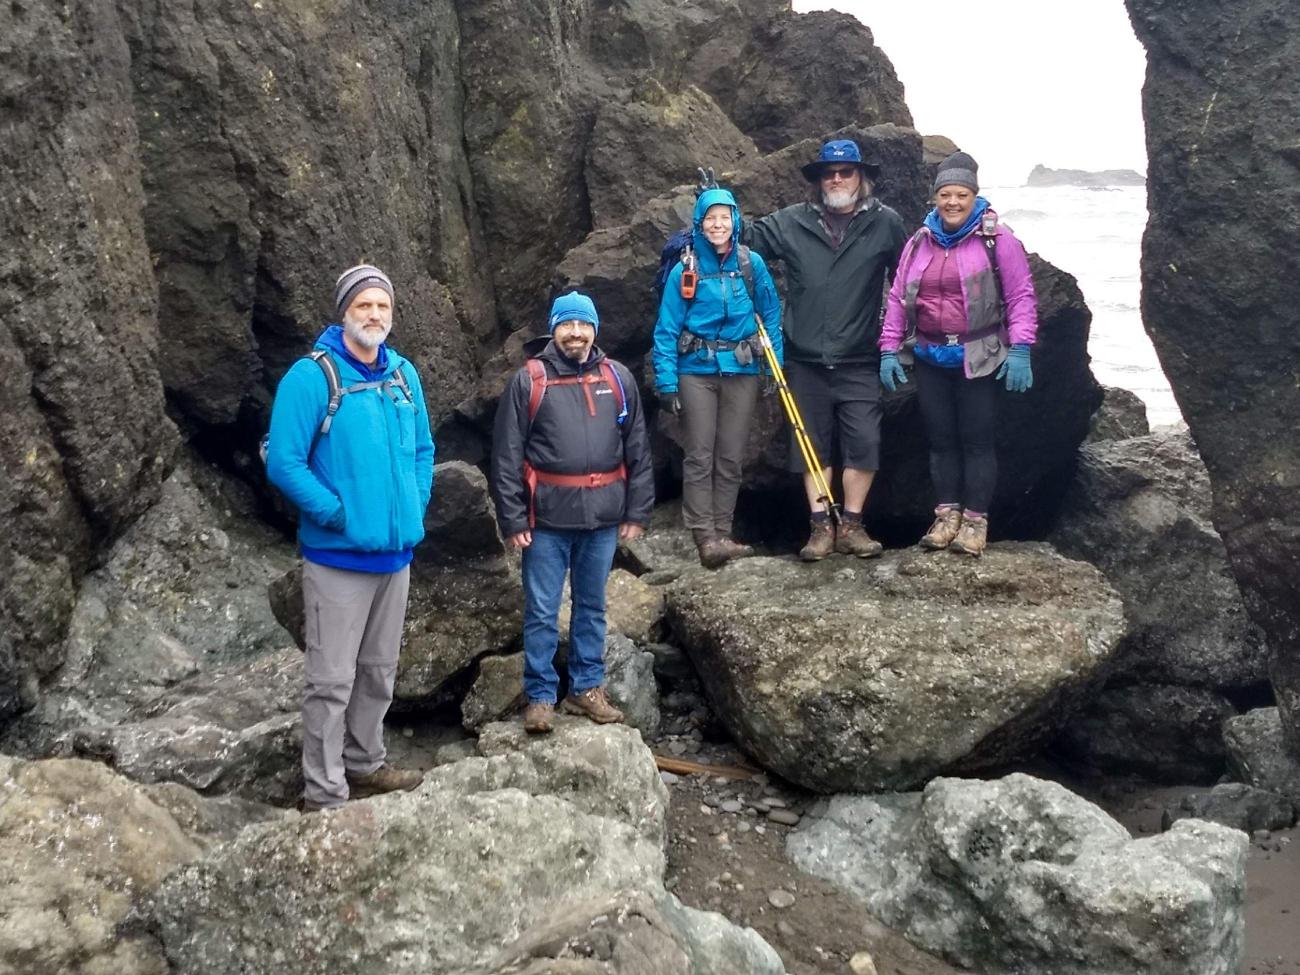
x,y
1020,375
891,373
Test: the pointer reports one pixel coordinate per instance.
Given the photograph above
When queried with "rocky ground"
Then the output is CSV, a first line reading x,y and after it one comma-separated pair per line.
x,y
727,831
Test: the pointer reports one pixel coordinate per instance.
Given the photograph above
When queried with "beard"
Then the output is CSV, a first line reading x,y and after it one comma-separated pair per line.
x,y
838,199
356,331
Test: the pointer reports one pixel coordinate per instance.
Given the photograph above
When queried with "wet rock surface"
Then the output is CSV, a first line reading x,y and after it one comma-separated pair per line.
x,y
1122,414
1234,804
1021,874
180,593
1139,510
1259,753
1161,732
1222,197
875,675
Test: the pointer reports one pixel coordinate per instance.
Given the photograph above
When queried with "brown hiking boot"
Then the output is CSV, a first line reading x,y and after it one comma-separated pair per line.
x,y
732,550
539,717
712,555
594,703
947,521
972,536
381,780
852,539
306,806
821,541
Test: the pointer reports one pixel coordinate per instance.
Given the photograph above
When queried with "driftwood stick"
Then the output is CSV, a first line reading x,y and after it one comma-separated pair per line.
x,y
681,766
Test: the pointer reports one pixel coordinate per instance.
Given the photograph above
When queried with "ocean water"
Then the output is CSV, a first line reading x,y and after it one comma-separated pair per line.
x,y
1096,235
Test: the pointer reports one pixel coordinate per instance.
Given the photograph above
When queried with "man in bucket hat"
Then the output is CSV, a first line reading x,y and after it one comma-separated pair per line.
x,y
571,475
839,248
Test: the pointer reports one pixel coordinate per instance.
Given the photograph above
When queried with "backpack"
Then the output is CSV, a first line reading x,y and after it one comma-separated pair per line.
x,y
337,391
679,249
608,375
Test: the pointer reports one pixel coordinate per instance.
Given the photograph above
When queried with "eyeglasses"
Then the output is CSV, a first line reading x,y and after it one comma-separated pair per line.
x,y
838,172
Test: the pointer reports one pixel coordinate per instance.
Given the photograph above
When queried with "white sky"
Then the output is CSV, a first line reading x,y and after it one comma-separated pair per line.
x,y
1064,88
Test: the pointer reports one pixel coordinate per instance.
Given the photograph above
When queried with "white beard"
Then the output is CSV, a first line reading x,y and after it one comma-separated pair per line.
x,y
838,199
355,330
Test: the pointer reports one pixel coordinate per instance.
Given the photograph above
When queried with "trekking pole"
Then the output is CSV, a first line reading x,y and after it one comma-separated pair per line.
x,y
810,459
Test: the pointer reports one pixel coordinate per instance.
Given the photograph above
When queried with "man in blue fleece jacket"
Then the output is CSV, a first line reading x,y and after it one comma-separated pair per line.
x,y
361,487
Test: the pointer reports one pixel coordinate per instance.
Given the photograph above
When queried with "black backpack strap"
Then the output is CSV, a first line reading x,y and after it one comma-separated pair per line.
x,y
334,381
991,248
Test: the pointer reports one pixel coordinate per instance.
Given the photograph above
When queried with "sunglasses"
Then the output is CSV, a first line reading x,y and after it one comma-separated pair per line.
x,y
838,172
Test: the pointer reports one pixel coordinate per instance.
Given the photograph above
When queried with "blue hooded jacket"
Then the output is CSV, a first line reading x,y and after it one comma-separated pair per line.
x,y
361,498
721,308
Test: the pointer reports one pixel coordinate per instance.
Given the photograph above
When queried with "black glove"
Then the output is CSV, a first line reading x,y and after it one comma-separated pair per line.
x,y
670,401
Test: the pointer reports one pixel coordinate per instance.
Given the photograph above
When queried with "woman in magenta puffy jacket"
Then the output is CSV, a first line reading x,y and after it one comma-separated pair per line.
x,y
963,291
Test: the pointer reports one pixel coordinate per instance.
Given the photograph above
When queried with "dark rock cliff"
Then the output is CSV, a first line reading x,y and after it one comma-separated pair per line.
x,y
1220,292
184,181
84,440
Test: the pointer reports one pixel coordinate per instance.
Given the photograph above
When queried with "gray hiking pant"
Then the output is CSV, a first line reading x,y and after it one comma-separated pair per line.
x,y
716,411
354,631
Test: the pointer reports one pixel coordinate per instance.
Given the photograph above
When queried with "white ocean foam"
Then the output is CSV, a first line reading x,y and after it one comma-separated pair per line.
x,y
1097,237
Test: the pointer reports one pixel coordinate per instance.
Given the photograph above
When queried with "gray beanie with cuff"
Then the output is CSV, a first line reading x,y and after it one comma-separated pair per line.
x,y
959,169
357,279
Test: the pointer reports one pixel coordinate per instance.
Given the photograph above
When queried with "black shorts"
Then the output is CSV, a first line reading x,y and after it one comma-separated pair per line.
x,y
840,407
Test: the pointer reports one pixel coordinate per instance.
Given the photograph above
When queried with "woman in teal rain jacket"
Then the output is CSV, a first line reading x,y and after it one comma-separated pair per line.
x,y
707,359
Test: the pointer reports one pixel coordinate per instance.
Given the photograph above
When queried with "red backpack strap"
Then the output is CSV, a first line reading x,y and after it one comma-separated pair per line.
x,y
536,372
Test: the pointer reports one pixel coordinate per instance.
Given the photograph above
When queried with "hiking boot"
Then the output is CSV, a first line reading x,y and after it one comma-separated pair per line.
x,y
539,717
306,806
852,539
381,780
947,522
732,550
594,703
712,554
972,536
821,541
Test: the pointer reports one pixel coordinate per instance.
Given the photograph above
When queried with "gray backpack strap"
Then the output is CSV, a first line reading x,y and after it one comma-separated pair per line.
x,y
400,382
747,272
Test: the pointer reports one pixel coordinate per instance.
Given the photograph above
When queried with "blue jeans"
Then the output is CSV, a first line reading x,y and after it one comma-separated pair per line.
x,y
587,557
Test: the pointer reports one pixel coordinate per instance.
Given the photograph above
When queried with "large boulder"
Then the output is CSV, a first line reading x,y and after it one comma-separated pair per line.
x,y
235,730
1216,263
80,849
281,145
181,592
1139,510
1258,752
1021,875
848,675
84,439
451,877
639,148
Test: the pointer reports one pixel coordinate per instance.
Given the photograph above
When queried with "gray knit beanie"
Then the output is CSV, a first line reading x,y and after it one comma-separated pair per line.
x,y
959,169
357,279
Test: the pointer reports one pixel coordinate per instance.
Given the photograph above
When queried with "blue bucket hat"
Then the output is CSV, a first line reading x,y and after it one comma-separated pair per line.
x,y
839,151
571,306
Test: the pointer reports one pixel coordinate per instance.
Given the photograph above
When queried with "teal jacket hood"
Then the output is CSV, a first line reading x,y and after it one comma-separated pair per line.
x,y
708,257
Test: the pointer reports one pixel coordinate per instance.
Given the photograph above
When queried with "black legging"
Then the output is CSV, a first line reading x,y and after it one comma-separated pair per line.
x,y
959,414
